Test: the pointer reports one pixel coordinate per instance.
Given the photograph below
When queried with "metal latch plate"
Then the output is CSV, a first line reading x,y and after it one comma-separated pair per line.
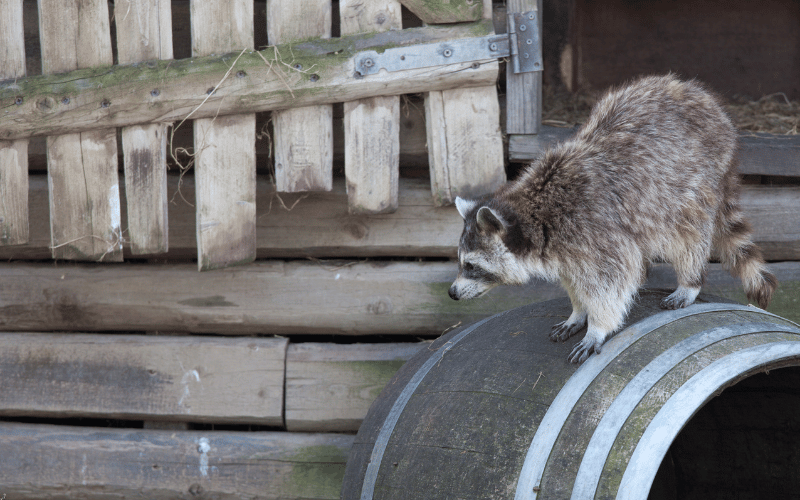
x,y
433,54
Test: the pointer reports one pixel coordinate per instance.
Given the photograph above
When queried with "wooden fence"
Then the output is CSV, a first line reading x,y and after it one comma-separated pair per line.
x,y
131,374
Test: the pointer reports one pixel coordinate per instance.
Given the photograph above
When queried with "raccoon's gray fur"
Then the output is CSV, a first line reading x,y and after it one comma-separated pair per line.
x,y
651,176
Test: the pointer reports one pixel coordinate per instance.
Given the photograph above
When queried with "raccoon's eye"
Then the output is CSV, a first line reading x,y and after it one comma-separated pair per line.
x,y
468,267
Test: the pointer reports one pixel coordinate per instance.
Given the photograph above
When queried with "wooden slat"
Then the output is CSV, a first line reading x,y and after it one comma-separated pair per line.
x,y
759,154
270,297
82,167
372,126
524,90
14,228
224,147
303,136
135,377
266,85
464,143
45,462
451,11
144,32
330,387
319,225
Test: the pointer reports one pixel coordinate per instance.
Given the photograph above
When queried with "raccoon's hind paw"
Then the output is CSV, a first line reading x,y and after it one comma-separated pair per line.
x,y
584,349
680,298
564,330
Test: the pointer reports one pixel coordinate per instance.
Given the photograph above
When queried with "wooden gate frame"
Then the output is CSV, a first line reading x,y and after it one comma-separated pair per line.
x,y
149,90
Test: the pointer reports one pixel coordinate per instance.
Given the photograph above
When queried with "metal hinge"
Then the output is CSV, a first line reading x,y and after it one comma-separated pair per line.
x,y
522,44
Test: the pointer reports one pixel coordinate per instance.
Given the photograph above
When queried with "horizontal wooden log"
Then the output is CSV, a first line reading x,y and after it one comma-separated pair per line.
x,y
295,297
281,77
186,378
319,225
760,154
46,462
330,387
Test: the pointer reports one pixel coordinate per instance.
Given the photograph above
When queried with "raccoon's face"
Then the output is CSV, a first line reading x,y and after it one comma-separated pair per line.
x,y
484,260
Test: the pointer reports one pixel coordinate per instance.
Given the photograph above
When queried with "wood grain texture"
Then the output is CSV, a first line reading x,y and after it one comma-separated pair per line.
x,y
43,462
183,378
372,126
319,224
303,136
759,154
144,32
14,229
82,167
224,147
330,387
295,297
451,11
464,143
524,90
265,85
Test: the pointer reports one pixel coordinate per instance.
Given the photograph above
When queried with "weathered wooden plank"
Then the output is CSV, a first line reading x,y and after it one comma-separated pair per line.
x,y
182,378
330,387
524,90
82,167
372,126
453,11
14,228
144,32
303,136
265,84
319,224
464,143
273,297
46,462
759,154
224,147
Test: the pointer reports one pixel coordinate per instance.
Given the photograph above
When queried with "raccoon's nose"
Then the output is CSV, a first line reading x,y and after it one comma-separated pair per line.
x,y
452,293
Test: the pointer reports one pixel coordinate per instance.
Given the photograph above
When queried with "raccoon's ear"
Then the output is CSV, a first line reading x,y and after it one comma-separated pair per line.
x,y
464,206
489,220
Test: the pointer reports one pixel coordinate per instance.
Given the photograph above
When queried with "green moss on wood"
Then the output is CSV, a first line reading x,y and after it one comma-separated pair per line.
x,y
318,472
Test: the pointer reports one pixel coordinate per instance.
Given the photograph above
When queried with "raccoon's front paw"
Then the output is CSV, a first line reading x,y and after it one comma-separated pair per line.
x,y
584,349
564,330
680,298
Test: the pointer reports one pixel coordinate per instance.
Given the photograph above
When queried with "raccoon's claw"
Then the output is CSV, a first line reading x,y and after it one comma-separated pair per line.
x,y
564,330
584,349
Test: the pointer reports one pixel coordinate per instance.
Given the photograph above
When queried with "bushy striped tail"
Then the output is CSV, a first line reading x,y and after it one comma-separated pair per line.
x,y
741,257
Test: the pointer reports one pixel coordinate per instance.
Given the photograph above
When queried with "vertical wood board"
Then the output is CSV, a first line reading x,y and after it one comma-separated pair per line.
x,y
82,168
330,387
144,32
524,90
14,225
45,462
465,146
303,137
371,126
194,379
225,156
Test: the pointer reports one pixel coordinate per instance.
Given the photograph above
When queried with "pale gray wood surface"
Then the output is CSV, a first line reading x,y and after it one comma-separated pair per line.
x,y
371,126
319,225
303,138
43,462
135,377
13,154
224,147
82,167
330,387
294,297
144,32
524,90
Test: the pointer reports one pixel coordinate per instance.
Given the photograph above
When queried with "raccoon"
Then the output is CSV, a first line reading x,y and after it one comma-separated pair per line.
x,y
651,176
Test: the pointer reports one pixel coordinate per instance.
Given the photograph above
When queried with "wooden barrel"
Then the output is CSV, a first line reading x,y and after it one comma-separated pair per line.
x,y
494,410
